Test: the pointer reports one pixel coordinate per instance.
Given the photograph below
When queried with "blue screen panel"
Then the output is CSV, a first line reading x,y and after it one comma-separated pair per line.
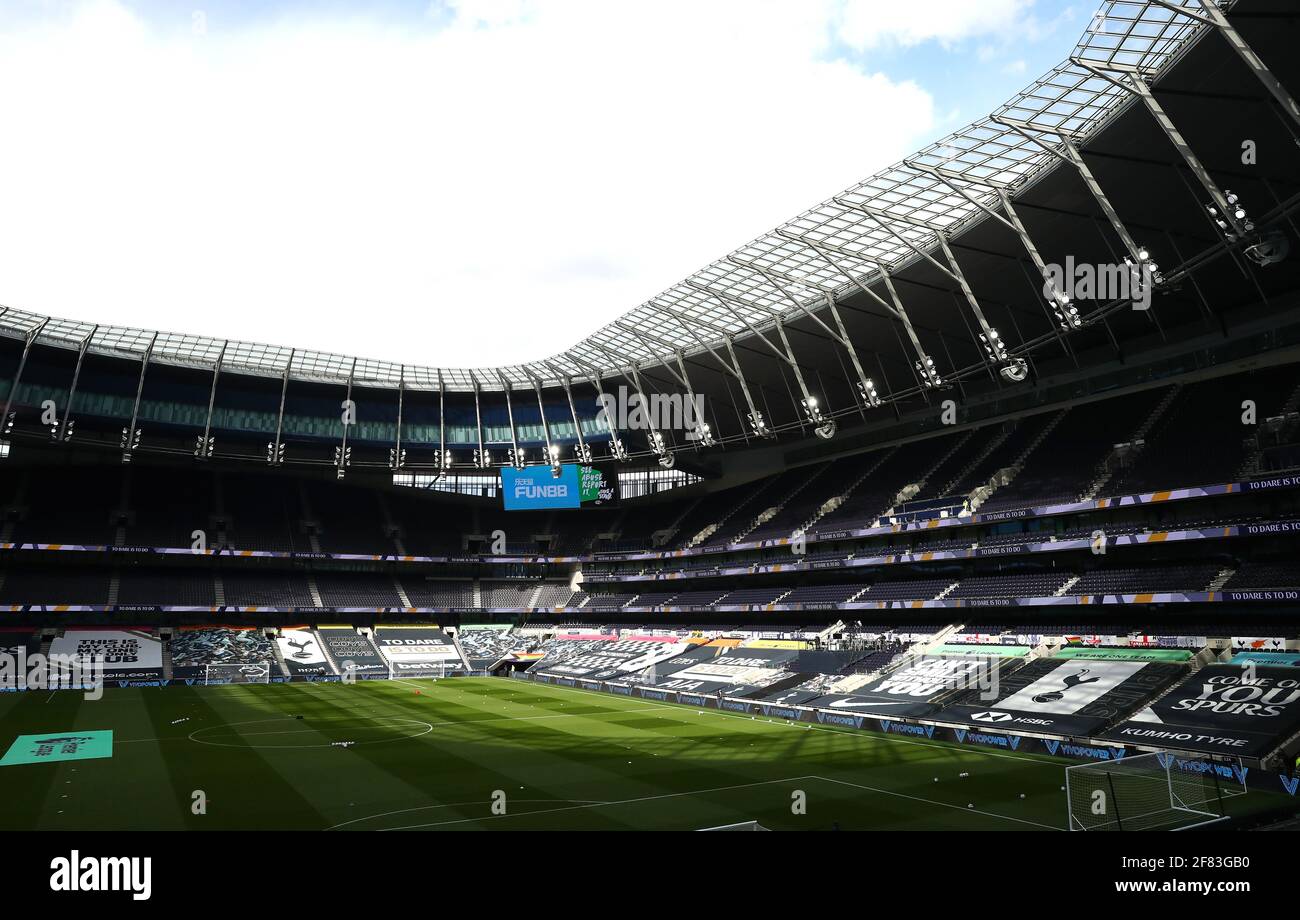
x,y
536,487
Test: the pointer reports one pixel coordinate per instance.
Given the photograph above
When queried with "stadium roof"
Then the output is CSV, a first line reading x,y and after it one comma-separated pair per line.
x,y
888,221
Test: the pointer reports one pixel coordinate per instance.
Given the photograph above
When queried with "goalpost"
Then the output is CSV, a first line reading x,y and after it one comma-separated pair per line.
x,y
247,673
1160,791
424,671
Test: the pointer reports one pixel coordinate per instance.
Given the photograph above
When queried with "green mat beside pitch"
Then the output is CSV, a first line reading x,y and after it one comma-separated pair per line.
x,y
52,746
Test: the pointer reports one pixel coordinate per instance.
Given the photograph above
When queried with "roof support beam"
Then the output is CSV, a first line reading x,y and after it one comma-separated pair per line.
x,y
808,403
824,427
275,451
658,444
28,340
1136,85
882,220
693,408
396,455
702,431
131,434
444,455
342,453
756,421
203,448
956,184
771,276
1213,16
1069,153
552,450
1067,317
517,455
616,445
894,306
482,459
690,330
866,386
990,339
62,430
697,429
655,439
647,337
730,303
582,451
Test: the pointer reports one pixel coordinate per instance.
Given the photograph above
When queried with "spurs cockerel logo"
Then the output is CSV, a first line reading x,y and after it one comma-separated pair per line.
x,y
1071,681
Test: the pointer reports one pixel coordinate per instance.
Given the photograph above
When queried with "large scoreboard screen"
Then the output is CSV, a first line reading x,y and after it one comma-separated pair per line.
x,y
577,486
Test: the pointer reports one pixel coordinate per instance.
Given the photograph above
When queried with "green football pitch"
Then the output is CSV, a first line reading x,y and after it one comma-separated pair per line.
x,y
488,753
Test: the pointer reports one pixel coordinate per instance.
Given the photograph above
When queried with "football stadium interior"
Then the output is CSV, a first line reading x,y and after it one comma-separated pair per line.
x,y
956,501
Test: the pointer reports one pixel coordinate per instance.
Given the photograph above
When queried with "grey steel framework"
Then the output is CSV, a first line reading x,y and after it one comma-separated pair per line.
x,y
802,268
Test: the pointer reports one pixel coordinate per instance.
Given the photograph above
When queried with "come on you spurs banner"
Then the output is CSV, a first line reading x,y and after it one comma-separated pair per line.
x,y
1246,710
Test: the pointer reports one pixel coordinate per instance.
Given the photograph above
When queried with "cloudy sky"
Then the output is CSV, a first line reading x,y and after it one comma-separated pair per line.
x,y
457,183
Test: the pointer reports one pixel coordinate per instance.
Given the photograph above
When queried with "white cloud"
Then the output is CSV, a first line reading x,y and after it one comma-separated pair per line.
x,y
485,191
870,23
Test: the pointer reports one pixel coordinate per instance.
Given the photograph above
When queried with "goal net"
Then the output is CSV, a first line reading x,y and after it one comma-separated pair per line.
x,y
1159,791
247,673
422,671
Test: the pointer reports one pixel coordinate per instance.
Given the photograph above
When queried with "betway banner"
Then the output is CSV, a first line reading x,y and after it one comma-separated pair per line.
x,y
1066,696
352,651
128,654
302,653
415,650
1232,709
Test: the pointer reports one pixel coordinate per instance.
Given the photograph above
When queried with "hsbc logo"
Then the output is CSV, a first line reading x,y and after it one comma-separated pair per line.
x,y
992,717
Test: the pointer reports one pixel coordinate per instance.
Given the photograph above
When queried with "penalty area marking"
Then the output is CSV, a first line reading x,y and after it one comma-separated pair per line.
x,y
645,798
917,798
695,792
403,811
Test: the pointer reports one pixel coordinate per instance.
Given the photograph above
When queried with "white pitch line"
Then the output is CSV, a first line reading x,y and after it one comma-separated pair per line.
x,y
918,798
427,729
402,811
870,736
449,722
647,798
695,792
